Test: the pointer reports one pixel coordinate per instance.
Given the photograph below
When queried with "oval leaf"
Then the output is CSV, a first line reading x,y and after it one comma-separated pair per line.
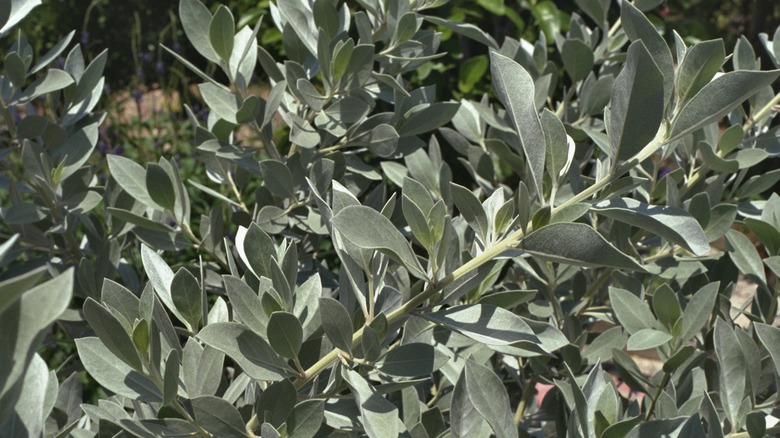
x,y
671,223
718,98
646,339
732,366
218,416
160,186
698,311
113,374
221,32
637,105
484,323
249,350
367,228
411,360
514,86
488,395
632,312
698,67
576,244
336,323
111,333
285,334
195,18
186,297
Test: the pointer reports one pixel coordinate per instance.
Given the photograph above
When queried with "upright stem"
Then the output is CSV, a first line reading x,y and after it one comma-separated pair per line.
x,y
654,400
528,392
762,112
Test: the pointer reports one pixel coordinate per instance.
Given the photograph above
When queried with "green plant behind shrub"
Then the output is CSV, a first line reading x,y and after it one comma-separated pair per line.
x,y
379,262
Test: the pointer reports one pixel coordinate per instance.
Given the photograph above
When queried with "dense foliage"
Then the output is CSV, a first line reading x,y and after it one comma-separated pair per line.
x,y
355,256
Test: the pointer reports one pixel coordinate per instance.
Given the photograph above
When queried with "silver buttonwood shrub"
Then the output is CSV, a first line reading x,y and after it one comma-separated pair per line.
x,y
394,264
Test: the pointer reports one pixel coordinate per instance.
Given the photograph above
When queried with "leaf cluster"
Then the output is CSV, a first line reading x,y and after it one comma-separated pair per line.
x,y
399,265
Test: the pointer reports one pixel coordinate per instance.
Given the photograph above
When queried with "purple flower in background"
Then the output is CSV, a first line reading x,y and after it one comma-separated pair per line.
x,y
176,47
145,57
84,38
139,73
102,146
49,341
665,170
119,150
138,95
60,62
159,67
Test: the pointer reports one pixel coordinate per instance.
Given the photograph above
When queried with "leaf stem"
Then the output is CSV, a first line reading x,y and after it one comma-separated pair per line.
x,y
654,400
236,192
762,113
528,392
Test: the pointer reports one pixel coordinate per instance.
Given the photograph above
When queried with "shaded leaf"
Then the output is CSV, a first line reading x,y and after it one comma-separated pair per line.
x,y
411,360
577,59
276,402
160,186
217,416
186,297
285,334
171,378
248,349
13,288
770,337
637,104
484,323
638,27
221,31
336,323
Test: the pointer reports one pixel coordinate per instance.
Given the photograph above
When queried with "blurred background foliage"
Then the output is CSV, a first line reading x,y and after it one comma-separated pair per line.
x,y
133,30
146,88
